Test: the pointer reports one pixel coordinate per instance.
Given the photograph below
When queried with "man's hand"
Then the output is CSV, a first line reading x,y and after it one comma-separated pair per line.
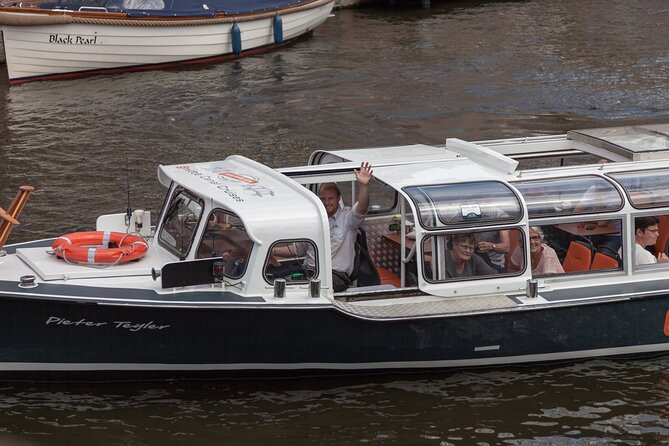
x,y
364,175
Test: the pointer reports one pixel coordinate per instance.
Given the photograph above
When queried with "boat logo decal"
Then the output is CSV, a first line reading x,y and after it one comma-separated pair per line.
x,y
666,324
119,325
233,176
250,182
69,39
241,181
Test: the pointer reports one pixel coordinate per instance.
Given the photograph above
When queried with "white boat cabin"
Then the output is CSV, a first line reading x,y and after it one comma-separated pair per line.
x,y
581,192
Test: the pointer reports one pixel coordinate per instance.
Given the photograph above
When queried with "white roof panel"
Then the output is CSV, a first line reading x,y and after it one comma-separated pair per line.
x,y
262,197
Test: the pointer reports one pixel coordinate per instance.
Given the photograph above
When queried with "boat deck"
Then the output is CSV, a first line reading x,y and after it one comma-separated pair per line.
x,y
424,306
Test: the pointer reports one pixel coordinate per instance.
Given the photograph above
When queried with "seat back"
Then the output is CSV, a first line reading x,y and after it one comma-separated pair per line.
x,y
364,270
514,242
578,258
605,258
663,237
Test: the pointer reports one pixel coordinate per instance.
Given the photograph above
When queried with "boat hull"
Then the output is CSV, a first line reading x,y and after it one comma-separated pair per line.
x,y
66,335
49,51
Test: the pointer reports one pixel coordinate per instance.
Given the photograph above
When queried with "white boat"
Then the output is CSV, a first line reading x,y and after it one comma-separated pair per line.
x,y
205,294
69,39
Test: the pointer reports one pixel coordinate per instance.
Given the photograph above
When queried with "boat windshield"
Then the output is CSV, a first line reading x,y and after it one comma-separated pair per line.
x,y
645,189
465,204
568,196
180,222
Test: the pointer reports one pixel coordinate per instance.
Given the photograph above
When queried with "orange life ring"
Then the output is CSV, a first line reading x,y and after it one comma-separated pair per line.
x,y
87,247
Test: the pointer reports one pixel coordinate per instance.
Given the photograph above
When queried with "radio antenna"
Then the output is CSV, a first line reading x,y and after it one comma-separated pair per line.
x,y
128,211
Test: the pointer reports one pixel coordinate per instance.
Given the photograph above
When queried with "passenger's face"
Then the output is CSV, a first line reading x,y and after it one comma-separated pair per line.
x,y
330,200
648,236
535,241
463,251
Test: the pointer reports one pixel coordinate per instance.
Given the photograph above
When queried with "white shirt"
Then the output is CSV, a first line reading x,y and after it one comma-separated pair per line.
x,y
643,257
344,226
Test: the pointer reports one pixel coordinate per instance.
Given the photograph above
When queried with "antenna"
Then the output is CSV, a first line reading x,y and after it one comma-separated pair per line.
x,y
128,211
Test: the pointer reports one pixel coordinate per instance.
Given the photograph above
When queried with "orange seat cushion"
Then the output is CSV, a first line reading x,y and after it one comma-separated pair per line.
x,y
388,277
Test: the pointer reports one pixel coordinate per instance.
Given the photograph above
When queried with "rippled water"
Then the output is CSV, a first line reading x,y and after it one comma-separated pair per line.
x,y
590,403
367,77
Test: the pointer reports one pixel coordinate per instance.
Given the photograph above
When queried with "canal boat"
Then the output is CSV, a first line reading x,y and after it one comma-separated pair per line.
x,y
63,39
220,285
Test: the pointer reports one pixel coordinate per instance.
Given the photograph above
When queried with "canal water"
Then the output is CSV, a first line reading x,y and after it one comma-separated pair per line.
x,y
367,77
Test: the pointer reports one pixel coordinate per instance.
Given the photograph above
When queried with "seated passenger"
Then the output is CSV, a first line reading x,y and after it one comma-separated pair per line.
x,y
543,258
492,246
645,234
461,261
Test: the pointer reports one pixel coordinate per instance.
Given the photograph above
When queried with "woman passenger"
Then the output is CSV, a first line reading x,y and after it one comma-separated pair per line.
x,y
461,261
544,258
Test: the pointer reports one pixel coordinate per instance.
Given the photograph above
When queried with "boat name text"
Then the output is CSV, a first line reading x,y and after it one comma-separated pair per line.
x,y
69,39
122,325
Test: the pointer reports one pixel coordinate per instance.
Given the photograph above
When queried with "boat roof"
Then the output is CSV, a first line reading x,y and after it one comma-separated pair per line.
x,y
261,196
627,143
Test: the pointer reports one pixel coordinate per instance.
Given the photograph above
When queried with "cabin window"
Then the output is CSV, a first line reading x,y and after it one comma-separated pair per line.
x,y
180,222
292,260
650,240
645,189
225,236
578,247
465,204
471,255
568,196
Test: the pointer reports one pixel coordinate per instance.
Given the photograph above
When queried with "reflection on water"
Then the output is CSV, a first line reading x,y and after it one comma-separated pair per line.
x,y
594,402
370,77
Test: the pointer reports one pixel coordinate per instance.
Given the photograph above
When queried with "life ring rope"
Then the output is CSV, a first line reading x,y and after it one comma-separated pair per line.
x,y
88,248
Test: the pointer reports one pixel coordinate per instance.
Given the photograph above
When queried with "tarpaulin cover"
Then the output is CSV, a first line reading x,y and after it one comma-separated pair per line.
x,y
175,8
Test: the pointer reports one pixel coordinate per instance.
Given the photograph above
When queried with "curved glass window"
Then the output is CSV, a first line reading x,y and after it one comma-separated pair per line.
x,y
568,196
180,222
465,204
645,189
226,237
292,260
473,255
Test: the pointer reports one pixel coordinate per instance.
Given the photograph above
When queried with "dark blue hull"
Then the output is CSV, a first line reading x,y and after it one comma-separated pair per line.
x,y
65,335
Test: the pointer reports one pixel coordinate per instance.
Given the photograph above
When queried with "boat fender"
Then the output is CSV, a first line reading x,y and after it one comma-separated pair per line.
x,y
86,247
236,35
278,30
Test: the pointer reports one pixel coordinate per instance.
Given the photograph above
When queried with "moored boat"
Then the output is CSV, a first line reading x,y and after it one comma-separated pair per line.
x,y
207,294
69,39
